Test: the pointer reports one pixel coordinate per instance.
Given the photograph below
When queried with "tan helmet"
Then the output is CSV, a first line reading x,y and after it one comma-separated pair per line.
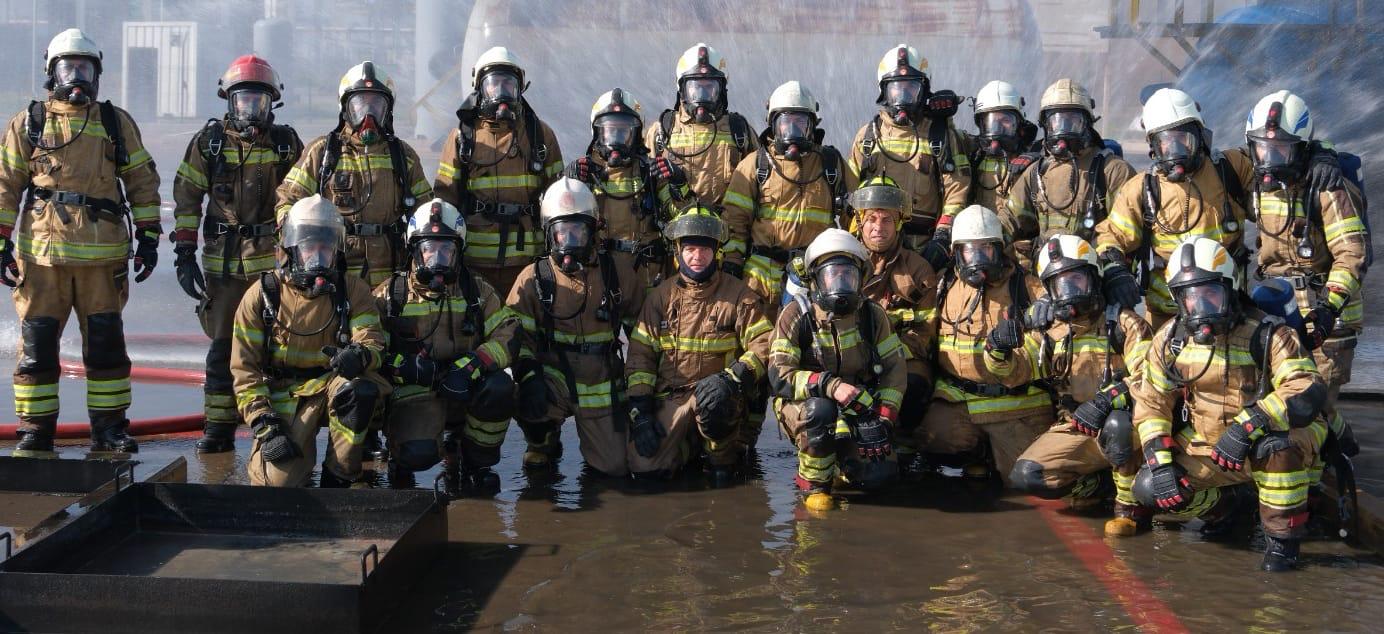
x,y
1067,93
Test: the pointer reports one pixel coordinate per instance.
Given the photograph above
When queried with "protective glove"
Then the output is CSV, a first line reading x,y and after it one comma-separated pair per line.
x,y
463,375
9,268
1324,169
1171,489
733,269
942,104
669,172
715,397
189,272
533,390
1006,335
350,362
585,170
645,431
1344,440
1120,286
872,438
146,253
937,251
862,404
274,445
1039,314
1250,425
1323,321
415,369
1089,417
1020,162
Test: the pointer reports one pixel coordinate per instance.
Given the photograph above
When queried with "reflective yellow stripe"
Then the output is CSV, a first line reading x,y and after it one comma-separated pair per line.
x,y
137,159
369,162
1278,411
36,400
364,321
8,217
642,378
486,433
1152,428
755,329
72,251
1165,243
684,140
620,186
737,199
1345,227
447,171
192,175
297,176
1128,227
814,469
1196,353
14,160
1292,366
704,345
589,395
253,265
785,347
529,181
250,334
804,215
890,396
889,346
108,394
145,213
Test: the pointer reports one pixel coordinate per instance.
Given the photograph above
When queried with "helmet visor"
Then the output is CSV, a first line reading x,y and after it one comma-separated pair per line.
x,y
500,86
1072,285
978,254
903,93
1204,300
792,125
250,104
438,253
570,234
1271,153
1000,123
366,104
1064,122
616,130
1175,144
316,254
72,70
839,276
702,90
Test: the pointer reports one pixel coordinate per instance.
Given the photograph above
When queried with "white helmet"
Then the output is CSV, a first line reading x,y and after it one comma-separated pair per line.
x,y
1197,260
365,76
701,61
835,286
495,57
1168,108
899,62
998,95
312,220
1067,93
791,96
831,242
71,43
1283,112
977,224
435,218
567,197
1204,284
1064,252
1071,275
618,100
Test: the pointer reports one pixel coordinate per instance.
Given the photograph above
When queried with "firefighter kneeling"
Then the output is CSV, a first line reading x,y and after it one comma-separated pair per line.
x,y
837,373
450,339
1252,398
305,348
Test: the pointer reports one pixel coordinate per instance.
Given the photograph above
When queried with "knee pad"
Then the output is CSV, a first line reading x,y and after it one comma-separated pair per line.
x,y
417,455
40,353
354,404
1027,476
819,416
1143,488
1116,437
915,402
494,400
1273,442
219,366
105,345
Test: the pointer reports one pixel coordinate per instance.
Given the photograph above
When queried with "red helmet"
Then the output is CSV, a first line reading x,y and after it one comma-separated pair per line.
x,y
249,69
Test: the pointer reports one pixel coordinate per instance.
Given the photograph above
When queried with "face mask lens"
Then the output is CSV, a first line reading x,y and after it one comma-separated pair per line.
x,y
316,255
975,254
792,125
1072,284
613,130
839,278
250,105
701,91
1274,153
1001,123
70,70
1207,300
570,234
1175,144
366,104
1065,122
903,93
438,254
500,87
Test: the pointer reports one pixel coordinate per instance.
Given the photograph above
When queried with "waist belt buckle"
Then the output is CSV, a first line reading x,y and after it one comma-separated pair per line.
x,y
1300,282
367,230
509,210
68,198
993,390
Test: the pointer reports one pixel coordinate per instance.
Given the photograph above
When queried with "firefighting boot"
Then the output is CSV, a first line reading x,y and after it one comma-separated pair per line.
x,y
1280,554
1129,520
108,435
481,481
816,495
217,438
35,443
545,445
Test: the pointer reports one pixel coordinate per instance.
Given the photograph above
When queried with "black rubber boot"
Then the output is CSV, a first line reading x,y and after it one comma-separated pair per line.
x,y
108,436
35,444
1230,512
217,438
719,476
375,448
481,481
1280,555
400,478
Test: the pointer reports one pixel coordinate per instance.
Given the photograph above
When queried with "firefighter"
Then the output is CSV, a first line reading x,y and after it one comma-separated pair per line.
x,y
700,133
912,140
572,306
494,166
1091,353
77,171
1312,236
905,286
450,340
235,163
372,176
1003,145
1250,399
1069,189
837,373
696,357
306,353
986,407
625,180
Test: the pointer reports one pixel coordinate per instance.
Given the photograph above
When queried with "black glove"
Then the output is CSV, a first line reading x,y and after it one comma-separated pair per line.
x,y
1006,335
937,251
1120,286
416,369
669,172
585,170
461,376
942,104
715,395
734,270
146,253
189,272
1039,314
274,445
1344,440
1323,321
872,438
1020,162
533,390
1171,490
645,432
349,362
1234,445
9,269
1324,169
1089,417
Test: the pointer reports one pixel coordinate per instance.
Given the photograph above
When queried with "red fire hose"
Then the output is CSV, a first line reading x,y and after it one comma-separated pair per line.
x,y
142,427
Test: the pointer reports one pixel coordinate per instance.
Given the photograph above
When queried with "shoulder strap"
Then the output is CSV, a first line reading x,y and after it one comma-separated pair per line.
x,y
1018,291
538,148
475,312
805,332
33,125
1259,350
1098,184
836,182
399,164
331,154
396,294
762,170
611,279
939,142
342,302
665,130
740,133
1234,189
213,142
1150,202
111,122
545,283
285,140
865,323
269,312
